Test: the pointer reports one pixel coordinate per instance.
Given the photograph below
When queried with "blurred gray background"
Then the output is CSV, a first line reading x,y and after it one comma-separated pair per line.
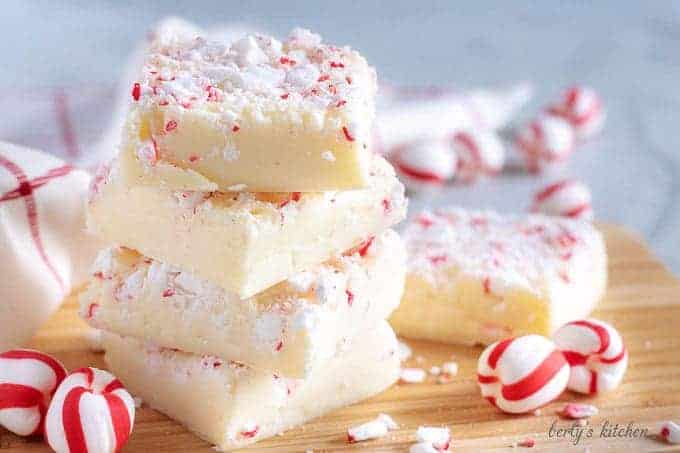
x,y
629,51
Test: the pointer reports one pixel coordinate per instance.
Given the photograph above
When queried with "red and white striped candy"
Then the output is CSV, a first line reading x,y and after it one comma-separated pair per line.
x,y
519,375
479,153
90,412
596,354
566,198
425,162
582,108
545,141
28,379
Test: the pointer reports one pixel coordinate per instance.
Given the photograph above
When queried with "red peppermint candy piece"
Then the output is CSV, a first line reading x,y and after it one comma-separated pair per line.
x,y
596,354
91,412
582,107
519,375
28,379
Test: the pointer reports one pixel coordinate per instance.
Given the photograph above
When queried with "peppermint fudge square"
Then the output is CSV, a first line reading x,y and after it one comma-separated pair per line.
x,y
231,405
258,115
243,242
289,329
478,276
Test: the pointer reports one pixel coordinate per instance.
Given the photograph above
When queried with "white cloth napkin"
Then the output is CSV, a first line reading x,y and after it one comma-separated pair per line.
x,y
43,249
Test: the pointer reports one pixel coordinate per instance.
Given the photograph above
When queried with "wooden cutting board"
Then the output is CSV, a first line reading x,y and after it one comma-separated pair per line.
x,y
643,302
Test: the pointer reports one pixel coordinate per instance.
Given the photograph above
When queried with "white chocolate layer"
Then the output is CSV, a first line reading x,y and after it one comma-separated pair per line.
x,y
478,277
289,328
231,405
244,242
251,114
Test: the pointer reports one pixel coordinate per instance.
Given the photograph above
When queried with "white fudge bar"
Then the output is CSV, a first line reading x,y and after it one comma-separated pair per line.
x,y
231,405
209,116
289,328
477,277
244,242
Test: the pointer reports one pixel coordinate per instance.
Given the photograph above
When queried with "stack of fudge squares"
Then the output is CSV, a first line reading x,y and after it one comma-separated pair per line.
x,y
253,266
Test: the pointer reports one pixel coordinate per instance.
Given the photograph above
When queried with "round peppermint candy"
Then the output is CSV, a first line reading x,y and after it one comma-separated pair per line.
x,y
521,374
91,412
28,379
596,355
582,108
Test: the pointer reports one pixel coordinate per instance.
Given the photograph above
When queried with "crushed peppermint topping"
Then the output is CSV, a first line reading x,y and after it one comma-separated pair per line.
x,y
670,432
249,430
257,70
302,282
575,411
91,309
374,429
147,153
328,155
437,438
501,252
529,442
347,134
211,362
170,126
136,91
450,368
363,248
412,375
387,205
444,378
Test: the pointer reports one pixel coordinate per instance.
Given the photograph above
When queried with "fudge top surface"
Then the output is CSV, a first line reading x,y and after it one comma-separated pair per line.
x,y
528,251
259,72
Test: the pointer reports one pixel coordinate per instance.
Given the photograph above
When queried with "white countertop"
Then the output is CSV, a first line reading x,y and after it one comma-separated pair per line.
x,y
628,51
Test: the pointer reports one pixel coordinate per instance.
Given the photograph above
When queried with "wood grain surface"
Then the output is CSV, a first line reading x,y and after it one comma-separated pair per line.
x,y
643,302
